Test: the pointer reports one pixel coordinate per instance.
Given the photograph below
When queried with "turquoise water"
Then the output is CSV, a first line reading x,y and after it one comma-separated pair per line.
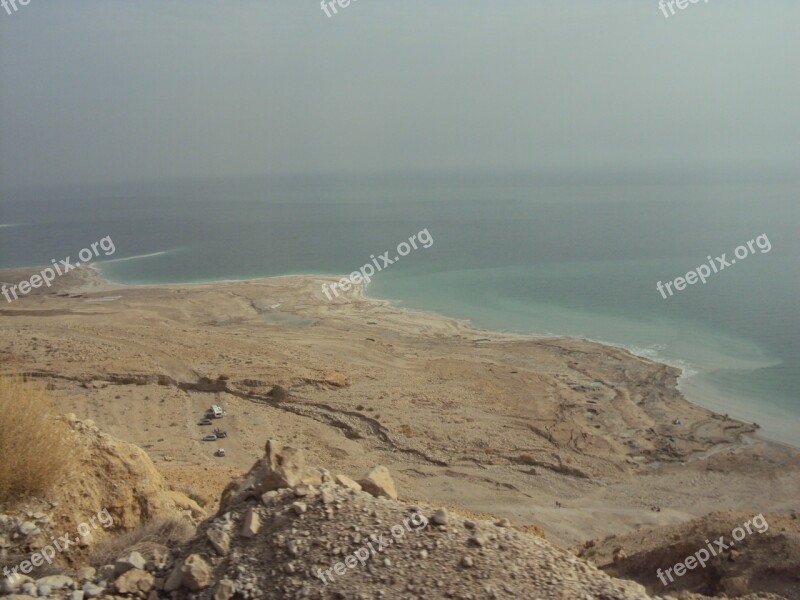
x,y
512,253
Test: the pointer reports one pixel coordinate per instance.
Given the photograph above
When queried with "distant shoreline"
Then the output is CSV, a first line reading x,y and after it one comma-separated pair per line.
x,y
770,429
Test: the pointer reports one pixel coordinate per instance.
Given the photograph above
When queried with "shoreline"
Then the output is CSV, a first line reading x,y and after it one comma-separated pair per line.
x,y
704,396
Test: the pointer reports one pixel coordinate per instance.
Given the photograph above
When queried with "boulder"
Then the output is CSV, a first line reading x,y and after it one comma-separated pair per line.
x,y
251,524
85,574
379,483
29,529
225,590
134,581
55,582
9,585
90,590
440,517
281,467
106,573
196,574
220,540
133,561
346,482
29,589
336,379
175,578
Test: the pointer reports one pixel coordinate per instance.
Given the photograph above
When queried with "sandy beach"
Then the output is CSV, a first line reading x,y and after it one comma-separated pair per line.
x,y
580,439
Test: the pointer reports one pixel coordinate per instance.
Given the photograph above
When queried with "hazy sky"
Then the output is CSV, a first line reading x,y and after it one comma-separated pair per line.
x,y
123,90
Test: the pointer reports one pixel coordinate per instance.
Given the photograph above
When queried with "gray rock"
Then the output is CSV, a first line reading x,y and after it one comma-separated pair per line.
x,y
477,540
92,590
281,467
220,540
28,528
134,582
86,574
196,573
225,590
303,490
9,586
175,578
251,524
76,595
440,517
29,588
379,483
133,561
56,582
346,482
269,498
44,590
106,573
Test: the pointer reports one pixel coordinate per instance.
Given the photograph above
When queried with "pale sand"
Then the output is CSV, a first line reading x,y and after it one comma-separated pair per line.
x,y
492,423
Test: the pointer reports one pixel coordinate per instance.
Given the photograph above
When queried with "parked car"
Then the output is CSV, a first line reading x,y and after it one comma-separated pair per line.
x,y
210,438
220,453
217,411
205,422
220,433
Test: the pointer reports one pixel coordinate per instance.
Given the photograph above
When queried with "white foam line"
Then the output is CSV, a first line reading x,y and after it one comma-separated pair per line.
x,y
105,262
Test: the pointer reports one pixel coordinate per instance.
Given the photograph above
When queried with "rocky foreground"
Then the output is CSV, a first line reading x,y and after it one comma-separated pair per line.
x,y
289,531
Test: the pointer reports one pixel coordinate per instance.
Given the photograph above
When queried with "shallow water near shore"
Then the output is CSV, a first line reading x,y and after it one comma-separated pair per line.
x,y
509,253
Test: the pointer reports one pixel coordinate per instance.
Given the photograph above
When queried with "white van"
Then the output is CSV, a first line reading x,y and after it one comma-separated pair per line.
x,y
217,411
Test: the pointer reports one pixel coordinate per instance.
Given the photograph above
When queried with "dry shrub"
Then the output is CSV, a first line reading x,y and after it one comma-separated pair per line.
x,y
526,459
36,452
168,532
278,393
406,430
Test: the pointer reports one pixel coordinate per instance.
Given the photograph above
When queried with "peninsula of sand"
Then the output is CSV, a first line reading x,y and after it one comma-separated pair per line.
x,y
575,438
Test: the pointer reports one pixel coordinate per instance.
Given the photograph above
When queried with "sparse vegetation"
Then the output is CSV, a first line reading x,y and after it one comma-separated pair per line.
x,y
158,532
201,502
34,443
278,393
407,430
